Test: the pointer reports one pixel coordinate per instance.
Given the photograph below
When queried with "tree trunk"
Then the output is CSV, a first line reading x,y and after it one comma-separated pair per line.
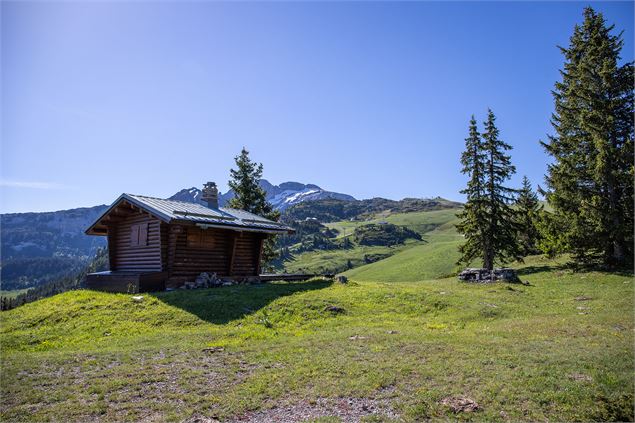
x,y
617,234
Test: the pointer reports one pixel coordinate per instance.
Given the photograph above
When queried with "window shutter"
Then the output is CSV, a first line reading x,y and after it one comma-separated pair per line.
x,y
143,234
134,235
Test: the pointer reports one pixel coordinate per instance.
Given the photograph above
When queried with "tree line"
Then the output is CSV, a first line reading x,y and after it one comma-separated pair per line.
x,y
589,184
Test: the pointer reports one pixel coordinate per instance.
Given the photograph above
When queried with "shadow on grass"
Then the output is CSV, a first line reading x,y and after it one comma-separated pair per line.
x,y
572,267
543,268
222,305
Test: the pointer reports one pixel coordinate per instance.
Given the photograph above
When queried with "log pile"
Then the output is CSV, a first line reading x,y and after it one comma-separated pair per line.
x,y
211,280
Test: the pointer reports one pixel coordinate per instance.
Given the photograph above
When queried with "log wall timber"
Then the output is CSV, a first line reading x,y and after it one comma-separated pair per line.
x,y
197,250
112,249
165,242
246,254
128,256
173,235
260,247
192,251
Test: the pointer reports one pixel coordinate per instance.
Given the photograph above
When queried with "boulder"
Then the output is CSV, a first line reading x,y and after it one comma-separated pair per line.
x,y
483,275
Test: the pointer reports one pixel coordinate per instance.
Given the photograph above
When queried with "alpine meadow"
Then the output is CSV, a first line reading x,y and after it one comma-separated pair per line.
x,y
500,289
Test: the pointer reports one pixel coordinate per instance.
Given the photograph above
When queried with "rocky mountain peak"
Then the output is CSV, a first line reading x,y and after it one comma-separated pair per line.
x,y
280,196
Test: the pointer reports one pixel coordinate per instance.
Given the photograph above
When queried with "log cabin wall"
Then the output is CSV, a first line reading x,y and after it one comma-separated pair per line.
x,y
247,254
198,250
135,243
224,252
165,242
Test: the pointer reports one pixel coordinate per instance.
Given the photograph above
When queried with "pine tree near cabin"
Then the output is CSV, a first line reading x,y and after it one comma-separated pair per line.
x,y
528,210
590,183
249,196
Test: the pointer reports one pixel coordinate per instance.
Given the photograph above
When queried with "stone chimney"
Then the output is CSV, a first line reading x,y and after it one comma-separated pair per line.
x,y
210,195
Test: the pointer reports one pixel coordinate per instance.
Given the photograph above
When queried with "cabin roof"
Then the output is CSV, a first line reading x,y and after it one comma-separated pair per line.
x,y
173,211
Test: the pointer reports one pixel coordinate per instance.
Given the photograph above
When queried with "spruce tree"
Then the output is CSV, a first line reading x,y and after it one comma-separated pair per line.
x,y
590,182
249,196
501,243
528,209
473,217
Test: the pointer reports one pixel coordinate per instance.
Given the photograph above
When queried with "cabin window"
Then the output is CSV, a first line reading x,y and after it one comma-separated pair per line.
x,y
139,235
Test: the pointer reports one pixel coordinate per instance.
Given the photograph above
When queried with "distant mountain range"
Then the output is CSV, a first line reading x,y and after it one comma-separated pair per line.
x,y
281,196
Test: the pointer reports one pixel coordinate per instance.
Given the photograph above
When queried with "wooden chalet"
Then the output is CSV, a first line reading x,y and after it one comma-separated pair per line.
x,y
155,243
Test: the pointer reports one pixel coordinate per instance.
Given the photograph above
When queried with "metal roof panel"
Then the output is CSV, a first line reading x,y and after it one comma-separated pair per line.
x,y
198,213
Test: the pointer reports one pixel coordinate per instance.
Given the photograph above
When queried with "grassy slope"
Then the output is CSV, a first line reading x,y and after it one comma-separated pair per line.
x,y
522,352
435,227
434,258
421,222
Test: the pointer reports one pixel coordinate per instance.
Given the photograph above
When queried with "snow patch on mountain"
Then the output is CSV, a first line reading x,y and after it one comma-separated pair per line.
x,y
281,196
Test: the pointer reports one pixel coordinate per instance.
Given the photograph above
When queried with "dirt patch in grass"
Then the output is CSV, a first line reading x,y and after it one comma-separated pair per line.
x,y
123,388
343,409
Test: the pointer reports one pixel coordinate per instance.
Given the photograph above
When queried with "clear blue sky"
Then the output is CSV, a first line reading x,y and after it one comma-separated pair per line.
x,y
370,99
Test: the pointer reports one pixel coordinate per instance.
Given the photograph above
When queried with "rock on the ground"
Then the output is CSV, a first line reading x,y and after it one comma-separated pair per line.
x,y
461,404
341,279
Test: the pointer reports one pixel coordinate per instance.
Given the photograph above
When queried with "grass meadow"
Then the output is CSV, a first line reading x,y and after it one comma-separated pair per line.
x,y
559,348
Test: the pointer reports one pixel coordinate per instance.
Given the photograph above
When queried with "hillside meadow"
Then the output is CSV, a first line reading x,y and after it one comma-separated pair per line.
x,y
432,257
559,348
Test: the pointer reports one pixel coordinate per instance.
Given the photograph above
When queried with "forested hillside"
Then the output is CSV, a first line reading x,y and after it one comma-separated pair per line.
x,y
41,247
67,281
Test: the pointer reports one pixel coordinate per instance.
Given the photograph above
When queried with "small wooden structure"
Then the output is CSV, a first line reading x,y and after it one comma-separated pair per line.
x,y
155,243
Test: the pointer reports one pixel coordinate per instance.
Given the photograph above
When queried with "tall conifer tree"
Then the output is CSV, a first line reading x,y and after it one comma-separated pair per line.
x,y
590,183
249,196
501,243
528,210
474,215
487,220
